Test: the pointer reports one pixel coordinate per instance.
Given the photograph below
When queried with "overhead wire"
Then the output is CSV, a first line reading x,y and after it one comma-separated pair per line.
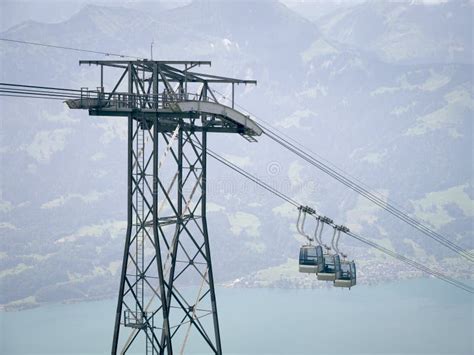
x,y
30,97
413,263
40,87
366,241
40,44
39,92
53,92
443,241
382,202
302,146
293,202
279,194
252,178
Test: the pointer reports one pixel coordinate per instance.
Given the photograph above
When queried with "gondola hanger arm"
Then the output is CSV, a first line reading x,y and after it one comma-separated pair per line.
x,y
303,210
333,245
318,222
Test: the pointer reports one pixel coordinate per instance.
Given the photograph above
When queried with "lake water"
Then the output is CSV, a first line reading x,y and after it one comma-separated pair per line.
x,y
407,317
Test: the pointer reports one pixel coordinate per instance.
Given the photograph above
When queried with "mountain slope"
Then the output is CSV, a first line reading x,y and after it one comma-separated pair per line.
x,y
406,32
403,125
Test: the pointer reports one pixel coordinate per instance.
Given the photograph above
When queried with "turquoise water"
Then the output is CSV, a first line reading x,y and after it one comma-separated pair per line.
x,y
408,317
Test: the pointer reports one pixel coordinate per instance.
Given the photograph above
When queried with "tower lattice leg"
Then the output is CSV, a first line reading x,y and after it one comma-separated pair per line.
x,y
167,296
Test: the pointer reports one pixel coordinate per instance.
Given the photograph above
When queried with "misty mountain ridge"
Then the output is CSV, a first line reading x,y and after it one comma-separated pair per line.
x,y
380,105
407,33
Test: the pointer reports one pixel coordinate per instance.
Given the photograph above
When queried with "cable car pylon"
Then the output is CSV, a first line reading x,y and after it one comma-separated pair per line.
x,y
170,109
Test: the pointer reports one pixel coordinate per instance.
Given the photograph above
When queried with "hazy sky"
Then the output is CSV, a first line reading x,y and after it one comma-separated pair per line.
x,y
14,12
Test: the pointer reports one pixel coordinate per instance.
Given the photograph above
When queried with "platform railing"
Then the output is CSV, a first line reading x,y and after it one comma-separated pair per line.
x,y
120,100
135,319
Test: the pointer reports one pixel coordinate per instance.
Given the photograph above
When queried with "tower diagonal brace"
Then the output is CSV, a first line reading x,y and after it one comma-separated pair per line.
x,y
166,260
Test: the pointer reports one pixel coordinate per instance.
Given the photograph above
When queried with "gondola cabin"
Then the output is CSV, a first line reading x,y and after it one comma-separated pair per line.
x,y
330,267
347,276
311,259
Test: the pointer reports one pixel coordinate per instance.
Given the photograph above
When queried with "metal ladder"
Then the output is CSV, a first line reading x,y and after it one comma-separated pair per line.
x,y
139,242
149,348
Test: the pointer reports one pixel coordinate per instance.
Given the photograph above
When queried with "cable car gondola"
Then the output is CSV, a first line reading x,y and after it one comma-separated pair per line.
x,y
327,265
346,274
332,264
311,256
331,261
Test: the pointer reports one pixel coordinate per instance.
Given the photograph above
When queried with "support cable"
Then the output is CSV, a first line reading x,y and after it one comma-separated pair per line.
x,y
370,243
252,178
109,54
353,186
380,201
413,263
51,93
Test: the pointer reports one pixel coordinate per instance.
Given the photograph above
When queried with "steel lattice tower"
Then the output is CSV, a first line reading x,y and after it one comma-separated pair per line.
x,y
166,285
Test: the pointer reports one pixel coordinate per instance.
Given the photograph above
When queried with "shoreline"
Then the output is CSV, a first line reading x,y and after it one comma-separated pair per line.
x,y
243,283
